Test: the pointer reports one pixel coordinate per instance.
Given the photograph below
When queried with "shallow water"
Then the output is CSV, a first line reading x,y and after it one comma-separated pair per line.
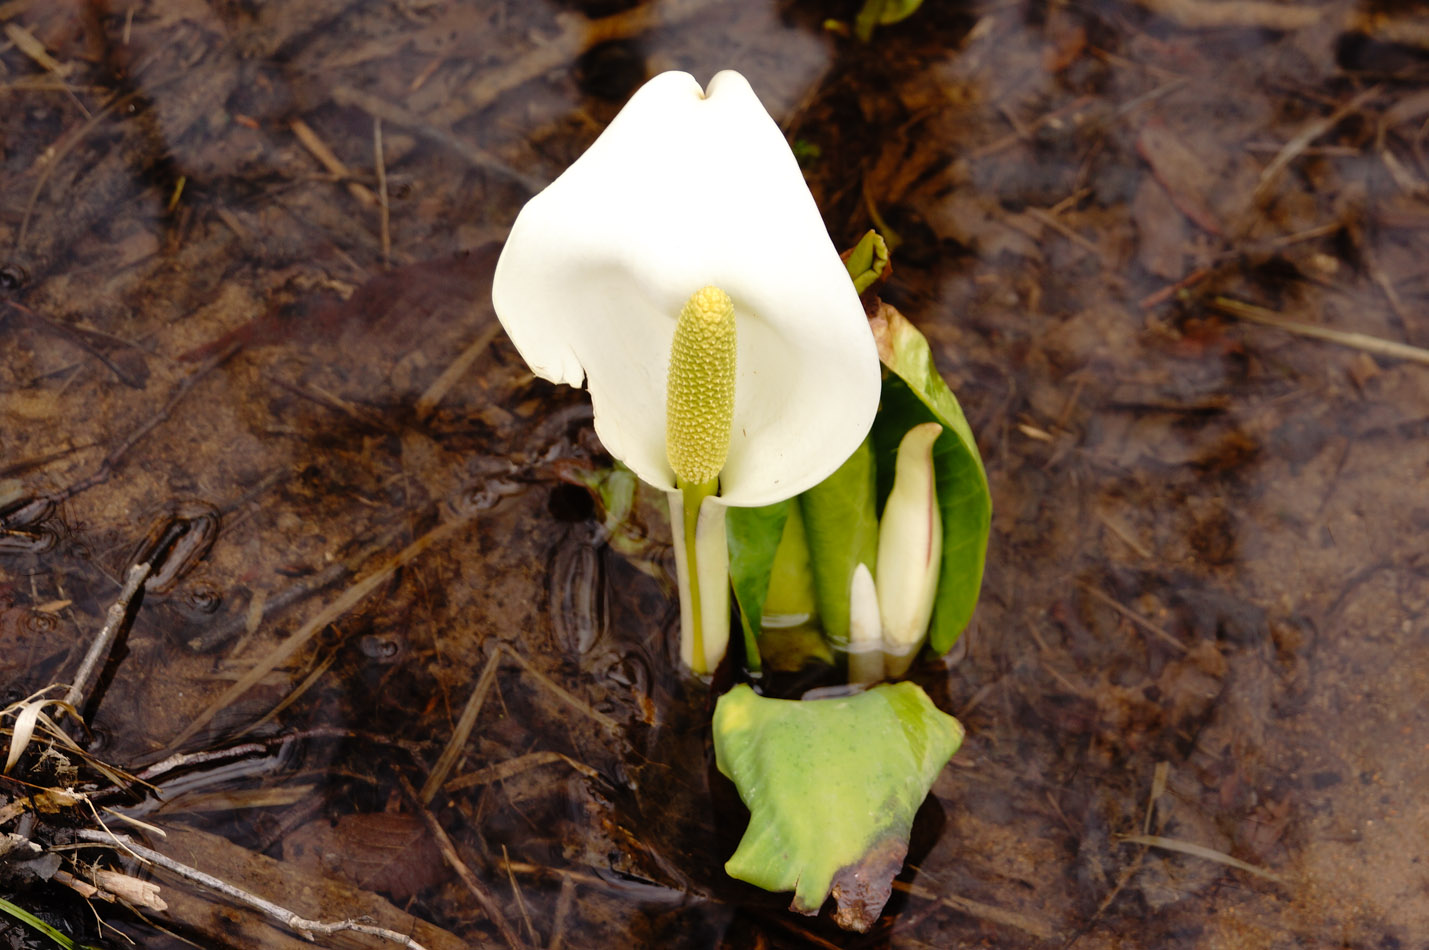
x,y
1207,582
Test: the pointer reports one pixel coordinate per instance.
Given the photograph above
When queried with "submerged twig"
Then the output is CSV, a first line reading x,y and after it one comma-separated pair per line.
x,y
55,154
456,370
563,909
288,918
328,159
1359,341
106,466
385,218
113,623
1245,14
454,861
1302,139
516,892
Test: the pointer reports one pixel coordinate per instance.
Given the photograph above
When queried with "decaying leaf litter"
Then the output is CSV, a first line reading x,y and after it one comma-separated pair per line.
x,y
1168,255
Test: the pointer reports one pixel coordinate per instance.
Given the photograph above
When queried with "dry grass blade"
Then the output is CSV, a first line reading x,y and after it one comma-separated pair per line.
x,y
1201,851
30,717
455,371
563,910
335,166
462,732
575,702
522,763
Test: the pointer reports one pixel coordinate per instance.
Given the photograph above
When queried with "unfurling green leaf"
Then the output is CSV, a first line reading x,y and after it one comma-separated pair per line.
x,y
832,786
867,261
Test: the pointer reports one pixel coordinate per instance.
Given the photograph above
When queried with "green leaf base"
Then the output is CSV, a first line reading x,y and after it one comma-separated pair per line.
x,y
832,786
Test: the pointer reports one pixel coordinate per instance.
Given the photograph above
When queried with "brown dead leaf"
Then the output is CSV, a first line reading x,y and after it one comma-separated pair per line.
x,y
1181,172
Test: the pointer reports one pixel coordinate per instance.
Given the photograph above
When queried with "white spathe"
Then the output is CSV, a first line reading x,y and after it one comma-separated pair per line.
x,y
688,188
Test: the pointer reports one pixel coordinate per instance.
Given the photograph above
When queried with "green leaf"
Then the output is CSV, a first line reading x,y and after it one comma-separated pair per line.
x,y
832,786
841,523
753,535
913,393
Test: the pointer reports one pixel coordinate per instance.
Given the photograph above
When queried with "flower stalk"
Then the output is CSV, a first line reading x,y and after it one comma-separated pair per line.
x,y
699,409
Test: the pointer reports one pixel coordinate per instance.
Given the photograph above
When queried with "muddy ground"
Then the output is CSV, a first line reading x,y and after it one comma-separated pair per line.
x,y
246,253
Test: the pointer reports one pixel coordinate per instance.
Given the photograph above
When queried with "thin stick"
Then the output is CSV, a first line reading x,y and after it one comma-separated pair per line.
x,y
1067,233
1121,532
384,218
107,464
1359,341
289,919
104,642
453,859
462,732
1136,618
329,160
1302,139
404,118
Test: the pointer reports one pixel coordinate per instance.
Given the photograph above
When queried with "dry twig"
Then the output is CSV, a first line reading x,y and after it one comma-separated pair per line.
x,y
113,623
288,918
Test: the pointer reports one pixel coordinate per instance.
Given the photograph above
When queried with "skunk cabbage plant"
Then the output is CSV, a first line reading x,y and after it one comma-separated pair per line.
x,y
681,271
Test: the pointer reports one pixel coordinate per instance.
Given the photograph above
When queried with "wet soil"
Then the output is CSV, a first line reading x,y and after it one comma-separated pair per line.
x,y
245,251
